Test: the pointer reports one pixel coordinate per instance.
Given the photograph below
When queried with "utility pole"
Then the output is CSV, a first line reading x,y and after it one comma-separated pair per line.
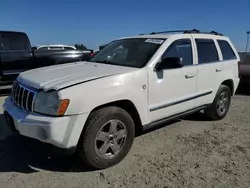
x,y
248,33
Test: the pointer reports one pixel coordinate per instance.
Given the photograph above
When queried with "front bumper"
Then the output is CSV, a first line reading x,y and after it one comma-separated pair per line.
x,y
63,132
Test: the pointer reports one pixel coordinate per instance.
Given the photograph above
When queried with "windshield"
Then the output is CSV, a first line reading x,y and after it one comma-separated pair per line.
x,y
133,52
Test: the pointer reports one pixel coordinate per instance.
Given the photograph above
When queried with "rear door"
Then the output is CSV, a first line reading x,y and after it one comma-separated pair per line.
x,y
210,69
16,55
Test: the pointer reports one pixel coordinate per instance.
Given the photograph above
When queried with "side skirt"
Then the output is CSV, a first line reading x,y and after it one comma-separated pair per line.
x,y
157,123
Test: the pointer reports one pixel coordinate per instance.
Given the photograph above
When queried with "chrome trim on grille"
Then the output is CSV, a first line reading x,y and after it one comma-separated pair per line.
x,y
25,102
26,105
33,101
22,99
18,95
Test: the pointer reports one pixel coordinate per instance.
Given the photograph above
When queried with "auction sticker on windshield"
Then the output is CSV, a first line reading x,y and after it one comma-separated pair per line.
x,y
155,41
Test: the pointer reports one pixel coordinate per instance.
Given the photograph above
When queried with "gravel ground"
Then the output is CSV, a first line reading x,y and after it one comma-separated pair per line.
x,y
193,152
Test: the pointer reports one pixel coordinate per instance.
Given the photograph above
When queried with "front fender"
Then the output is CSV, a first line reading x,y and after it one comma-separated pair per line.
x,y
129,86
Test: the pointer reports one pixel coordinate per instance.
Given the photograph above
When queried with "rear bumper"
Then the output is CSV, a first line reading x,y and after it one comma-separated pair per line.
x,y
63,132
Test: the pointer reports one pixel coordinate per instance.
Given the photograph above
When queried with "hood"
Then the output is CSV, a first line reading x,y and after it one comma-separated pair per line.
x,y
61,76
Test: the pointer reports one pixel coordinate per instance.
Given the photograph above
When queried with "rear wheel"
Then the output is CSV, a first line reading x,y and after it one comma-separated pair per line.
x,y
219,109
107,138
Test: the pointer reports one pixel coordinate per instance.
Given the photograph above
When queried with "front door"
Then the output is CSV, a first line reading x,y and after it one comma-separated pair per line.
x,y
172,91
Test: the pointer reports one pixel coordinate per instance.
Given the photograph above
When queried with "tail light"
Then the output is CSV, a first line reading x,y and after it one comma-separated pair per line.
x,y
92,54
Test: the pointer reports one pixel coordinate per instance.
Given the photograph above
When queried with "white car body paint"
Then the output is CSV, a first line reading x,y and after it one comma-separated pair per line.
x,y
155,95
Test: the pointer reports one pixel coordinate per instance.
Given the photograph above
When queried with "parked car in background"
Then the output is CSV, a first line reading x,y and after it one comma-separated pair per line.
x,y
134,83
86,52
54,47
16,56
244,67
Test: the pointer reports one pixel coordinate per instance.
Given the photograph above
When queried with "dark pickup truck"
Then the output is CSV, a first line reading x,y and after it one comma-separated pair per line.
x,y
16,56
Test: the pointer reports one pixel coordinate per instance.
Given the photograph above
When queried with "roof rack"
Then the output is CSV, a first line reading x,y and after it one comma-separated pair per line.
x,y
185,31
216,33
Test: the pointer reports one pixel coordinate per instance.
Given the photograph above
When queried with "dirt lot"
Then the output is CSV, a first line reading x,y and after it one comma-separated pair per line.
x,y
191,153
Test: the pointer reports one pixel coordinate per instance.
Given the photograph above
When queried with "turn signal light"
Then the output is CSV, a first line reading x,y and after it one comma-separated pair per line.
x,y
63,106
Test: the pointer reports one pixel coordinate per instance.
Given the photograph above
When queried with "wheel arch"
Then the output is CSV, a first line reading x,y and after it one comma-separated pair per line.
x,y
130,107
230,84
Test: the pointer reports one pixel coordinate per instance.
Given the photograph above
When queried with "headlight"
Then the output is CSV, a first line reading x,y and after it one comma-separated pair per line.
x,y
50,104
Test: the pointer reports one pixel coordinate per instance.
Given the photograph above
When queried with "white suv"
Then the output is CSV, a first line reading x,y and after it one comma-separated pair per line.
x,y
130,85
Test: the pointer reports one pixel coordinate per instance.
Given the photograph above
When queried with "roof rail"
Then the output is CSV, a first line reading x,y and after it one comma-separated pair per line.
x,y
185,31
176,31
216,33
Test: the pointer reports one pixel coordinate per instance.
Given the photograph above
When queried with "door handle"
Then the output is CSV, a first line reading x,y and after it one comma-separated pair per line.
x,y
218,70
190,75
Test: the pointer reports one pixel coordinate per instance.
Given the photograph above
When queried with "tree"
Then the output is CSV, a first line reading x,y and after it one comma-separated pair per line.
x,y
80,47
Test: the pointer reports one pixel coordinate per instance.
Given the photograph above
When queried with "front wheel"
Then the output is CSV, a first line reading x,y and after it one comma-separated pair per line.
x,y
219,109
107,137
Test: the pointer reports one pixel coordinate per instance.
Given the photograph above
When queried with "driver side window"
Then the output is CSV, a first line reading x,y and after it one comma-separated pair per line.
x,y
181,48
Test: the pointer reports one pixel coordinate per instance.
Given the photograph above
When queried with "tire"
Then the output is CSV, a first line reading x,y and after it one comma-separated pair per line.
x,y
216,113
89,148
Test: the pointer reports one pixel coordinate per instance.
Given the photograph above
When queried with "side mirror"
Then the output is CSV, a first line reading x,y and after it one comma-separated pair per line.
x,y
169,63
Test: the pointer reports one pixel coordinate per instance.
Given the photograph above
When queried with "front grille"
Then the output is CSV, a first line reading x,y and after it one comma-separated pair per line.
x,y
23,96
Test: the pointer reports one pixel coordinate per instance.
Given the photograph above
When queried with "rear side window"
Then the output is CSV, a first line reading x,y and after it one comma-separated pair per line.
x,y
226,50
15,42
207,52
